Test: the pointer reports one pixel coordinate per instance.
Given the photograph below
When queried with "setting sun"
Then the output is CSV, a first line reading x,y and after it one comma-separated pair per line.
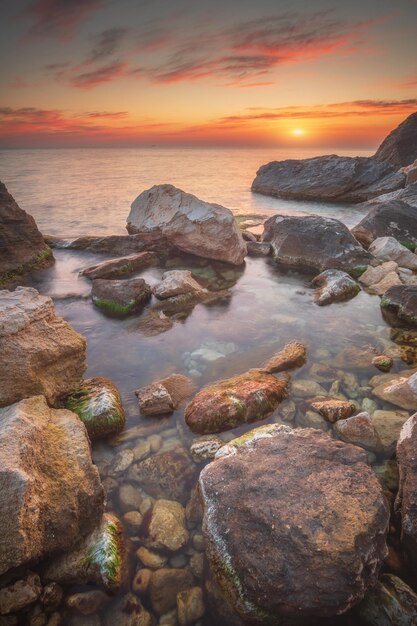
x,y
298,132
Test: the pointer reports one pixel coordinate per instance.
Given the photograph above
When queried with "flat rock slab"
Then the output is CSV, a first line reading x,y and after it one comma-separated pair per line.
x,y
50,491
330,177
393,218
187,223
229,403
40,352
119,267
295,525
313,242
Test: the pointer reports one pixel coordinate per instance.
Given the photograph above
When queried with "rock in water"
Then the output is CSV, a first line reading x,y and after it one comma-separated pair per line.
x,y
22,247
187,223
164,396
399,306
99,559
400,147
390,603
167,530
50,491
40,353
334,286
295,526
394,218
176,283
331,177
360,431
119,267
240,400
311,242
120,297
291,356
399,389
98,404
406,502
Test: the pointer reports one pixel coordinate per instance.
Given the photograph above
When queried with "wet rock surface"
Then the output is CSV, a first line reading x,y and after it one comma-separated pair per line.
x,y
314,243
120,297
228,403
51,495
399,306
113,268
40,352
334,286
389,249
390,602
187,223
406,502
175,283
22,247
319,560
330,177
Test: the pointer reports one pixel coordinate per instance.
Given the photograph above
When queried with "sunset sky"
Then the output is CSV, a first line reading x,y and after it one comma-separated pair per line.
x,y
206,72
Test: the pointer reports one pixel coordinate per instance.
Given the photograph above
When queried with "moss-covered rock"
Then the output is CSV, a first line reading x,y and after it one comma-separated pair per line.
x,y
98,404
99,559
120,297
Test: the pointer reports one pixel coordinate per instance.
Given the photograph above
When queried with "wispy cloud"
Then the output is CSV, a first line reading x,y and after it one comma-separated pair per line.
x,y
106,44
100,75
58,18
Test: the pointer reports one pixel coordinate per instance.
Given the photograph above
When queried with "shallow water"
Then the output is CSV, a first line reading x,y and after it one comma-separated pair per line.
x,y
82,192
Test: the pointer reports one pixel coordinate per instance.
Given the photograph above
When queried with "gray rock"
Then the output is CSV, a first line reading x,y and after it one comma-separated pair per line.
x,y
20,594
389,249
120,297
187,223
331,177
175,283
334,286
400,147
394,218
317,243
258,248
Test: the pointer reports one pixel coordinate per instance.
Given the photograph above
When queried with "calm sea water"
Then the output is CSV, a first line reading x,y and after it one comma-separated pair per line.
x,y
81,192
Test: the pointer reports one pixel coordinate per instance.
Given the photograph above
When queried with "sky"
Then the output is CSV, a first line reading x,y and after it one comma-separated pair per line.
x,y
206,72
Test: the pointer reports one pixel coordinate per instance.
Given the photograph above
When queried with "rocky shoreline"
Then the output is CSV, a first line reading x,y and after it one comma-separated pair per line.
x,y
287,491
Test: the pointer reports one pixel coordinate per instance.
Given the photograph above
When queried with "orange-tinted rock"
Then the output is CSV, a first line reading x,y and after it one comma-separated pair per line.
x,y
295,526
406,502
291,356
229,403
332,409
359,430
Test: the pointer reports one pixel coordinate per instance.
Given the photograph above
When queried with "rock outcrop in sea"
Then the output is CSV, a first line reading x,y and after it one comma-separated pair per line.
x,y
188,224
22,247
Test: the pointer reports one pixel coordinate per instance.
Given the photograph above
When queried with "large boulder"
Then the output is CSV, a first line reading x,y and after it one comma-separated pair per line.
x,y
399,305
50,491
313,242
400,147
22,247
242,399
187,223
331,177
40,352
406,502
395,219
295,525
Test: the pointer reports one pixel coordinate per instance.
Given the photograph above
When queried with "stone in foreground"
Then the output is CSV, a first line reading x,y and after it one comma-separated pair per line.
x,y
40,352
22,247
399,389
334,286
399,306
120,297
240,400
406,502
400,147
360,431
291,356
187,223
331,177
390,603
50,491
295,526
99,559
98,404
164,396
19,595
393,218
113,268
312,242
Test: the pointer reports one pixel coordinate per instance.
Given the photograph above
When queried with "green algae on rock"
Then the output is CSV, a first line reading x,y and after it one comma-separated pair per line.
x,y
242,399
99,559
120,297
98,404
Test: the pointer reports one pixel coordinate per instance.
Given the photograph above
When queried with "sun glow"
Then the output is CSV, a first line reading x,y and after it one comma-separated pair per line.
x,y
298,132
